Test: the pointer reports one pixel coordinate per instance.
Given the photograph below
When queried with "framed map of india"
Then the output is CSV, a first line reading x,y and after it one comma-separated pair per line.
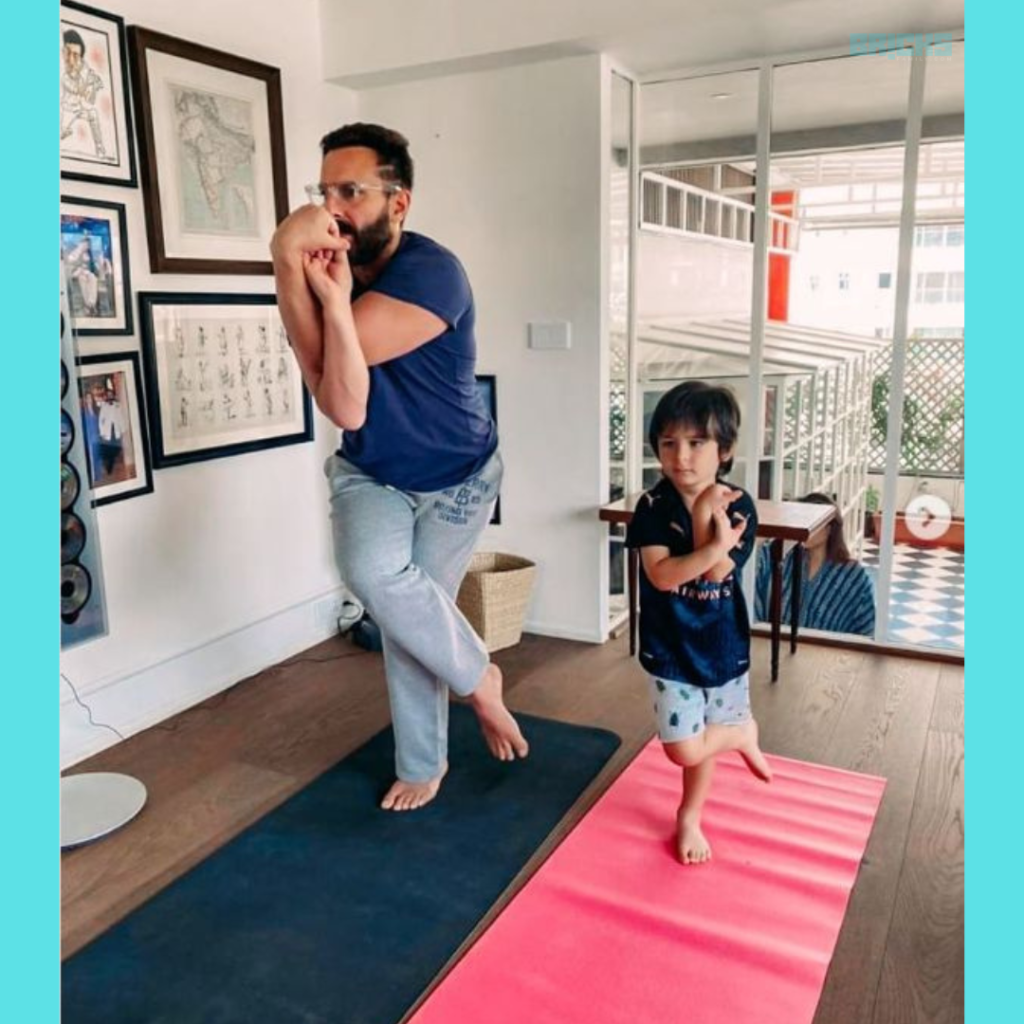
x,y
212,155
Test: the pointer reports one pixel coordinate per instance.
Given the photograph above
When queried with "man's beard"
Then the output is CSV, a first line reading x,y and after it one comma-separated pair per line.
x,y
369,242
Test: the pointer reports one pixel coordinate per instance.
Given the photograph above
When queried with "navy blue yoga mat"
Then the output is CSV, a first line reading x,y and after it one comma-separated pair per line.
x,y
329,910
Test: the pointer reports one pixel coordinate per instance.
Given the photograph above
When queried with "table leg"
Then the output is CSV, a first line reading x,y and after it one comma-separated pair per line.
x,y
775,550
634,576
794,600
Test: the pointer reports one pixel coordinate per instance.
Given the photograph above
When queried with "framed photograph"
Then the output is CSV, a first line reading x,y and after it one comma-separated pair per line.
x,y
94,246
211,145
114,427
485,382
220,376
95,114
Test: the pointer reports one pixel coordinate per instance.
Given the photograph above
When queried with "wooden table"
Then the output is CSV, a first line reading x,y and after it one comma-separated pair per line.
x,y
778,521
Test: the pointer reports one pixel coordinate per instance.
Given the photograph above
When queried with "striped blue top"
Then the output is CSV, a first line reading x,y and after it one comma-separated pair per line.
x,y
840,598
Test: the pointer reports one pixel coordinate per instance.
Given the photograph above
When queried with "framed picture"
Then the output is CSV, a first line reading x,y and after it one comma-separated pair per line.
x,y
95,115
94,246
220,375
211,144
485,382
114,427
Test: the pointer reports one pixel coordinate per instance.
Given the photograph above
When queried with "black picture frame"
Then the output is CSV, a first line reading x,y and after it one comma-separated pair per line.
x,y
105,58
110,233
220,376
489,390
123,469
200,223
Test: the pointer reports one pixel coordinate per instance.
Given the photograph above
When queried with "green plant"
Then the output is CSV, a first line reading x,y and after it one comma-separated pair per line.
x,y
923,437
871,499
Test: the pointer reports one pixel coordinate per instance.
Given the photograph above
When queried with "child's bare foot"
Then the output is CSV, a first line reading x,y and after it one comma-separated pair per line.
x,y
408,796
504,740
691,845
751,752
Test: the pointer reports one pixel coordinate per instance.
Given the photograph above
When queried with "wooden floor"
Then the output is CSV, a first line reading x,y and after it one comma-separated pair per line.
x,y
218,767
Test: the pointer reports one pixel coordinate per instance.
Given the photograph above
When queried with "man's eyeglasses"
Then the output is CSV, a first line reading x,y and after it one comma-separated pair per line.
x,y
347,191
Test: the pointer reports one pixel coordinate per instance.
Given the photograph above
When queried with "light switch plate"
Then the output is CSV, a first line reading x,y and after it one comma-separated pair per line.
x,y
552,334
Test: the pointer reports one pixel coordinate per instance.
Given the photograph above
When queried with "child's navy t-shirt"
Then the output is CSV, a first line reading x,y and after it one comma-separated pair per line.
x,y
427,426
700,632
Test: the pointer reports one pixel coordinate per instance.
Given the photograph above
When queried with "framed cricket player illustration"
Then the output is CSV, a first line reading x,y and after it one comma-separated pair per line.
x,y
95,113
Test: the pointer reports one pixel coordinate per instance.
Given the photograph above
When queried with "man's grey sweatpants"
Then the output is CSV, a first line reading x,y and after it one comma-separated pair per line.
x,y
403,554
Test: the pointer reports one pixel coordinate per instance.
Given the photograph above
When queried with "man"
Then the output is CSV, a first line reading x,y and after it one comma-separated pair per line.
x,y
382,324
110,426
78,87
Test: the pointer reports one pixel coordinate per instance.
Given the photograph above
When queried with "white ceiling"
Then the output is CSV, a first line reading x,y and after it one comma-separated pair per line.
x,y
404,40
828,93
703,34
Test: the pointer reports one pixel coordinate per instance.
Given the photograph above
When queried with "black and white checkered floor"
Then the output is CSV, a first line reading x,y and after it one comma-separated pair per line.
x,y
927,598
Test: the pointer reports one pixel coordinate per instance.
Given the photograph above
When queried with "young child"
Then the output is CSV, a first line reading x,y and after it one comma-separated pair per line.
x,y
695,534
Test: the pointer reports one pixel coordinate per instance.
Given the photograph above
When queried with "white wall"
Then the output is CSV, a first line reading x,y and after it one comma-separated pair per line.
x,y
214,575
507,177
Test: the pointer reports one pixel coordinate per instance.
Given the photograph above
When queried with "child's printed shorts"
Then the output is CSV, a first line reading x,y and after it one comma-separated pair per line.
x,y
684,710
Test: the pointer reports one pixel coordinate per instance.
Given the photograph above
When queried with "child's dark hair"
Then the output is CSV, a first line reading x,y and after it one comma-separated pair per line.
x,y
711,409
835,547
391,147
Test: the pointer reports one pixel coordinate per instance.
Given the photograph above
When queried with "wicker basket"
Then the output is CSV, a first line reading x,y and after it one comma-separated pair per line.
x,y
494,596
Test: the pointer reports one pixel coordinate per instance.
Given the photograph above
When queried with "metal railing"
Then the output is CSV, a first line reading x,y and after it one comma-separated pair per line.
x,y
677,208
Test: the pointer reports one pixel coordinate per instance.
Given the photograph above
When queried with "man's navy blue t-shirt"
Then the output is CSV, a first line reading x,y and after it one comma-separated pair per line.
x,y
698,633
427,426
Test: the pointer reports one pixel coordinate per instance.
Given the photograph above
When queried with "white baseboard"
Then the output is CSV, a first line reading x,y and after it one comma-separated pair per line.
x,y
154,693
560,632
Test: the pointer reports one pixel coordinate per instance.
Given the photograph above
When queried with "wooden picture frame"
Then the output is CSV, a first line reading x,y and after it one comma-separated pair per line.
x,y
221,378
211,147
96,139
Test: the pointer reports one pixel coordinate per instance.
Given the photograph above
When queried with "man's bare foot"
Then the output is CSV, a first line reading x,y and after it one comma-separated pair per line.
x,y
408,796
504,740
751,752
691,846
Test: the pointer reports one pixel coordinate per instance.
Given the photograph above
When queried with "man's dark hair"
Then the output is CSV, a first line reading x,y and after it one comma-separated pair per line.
x,y
72,38
707,408
391,147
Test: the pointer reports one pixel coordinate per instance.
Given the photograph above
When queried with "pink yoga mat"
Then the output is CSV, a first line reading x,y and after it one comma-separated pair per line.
x,y
613,930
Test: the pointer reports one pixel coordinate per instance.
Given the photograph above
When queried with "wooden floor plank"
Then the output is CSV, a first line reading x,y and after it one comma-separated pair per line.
x,y
922,973
799,714
883,731
948,714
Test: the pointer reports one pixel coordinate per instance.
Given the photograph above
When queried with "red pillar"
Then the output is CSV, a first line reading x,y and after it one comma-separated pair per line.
x,y
779,262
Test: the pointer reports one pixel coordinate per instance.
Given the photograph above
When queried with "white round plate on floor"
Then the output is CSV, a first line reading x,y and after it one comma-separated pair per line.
x,y
94,804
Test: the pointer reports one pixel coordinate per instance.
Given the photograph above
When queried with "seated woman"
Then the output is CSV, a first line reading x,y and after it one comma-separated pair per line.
x,y
836,592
